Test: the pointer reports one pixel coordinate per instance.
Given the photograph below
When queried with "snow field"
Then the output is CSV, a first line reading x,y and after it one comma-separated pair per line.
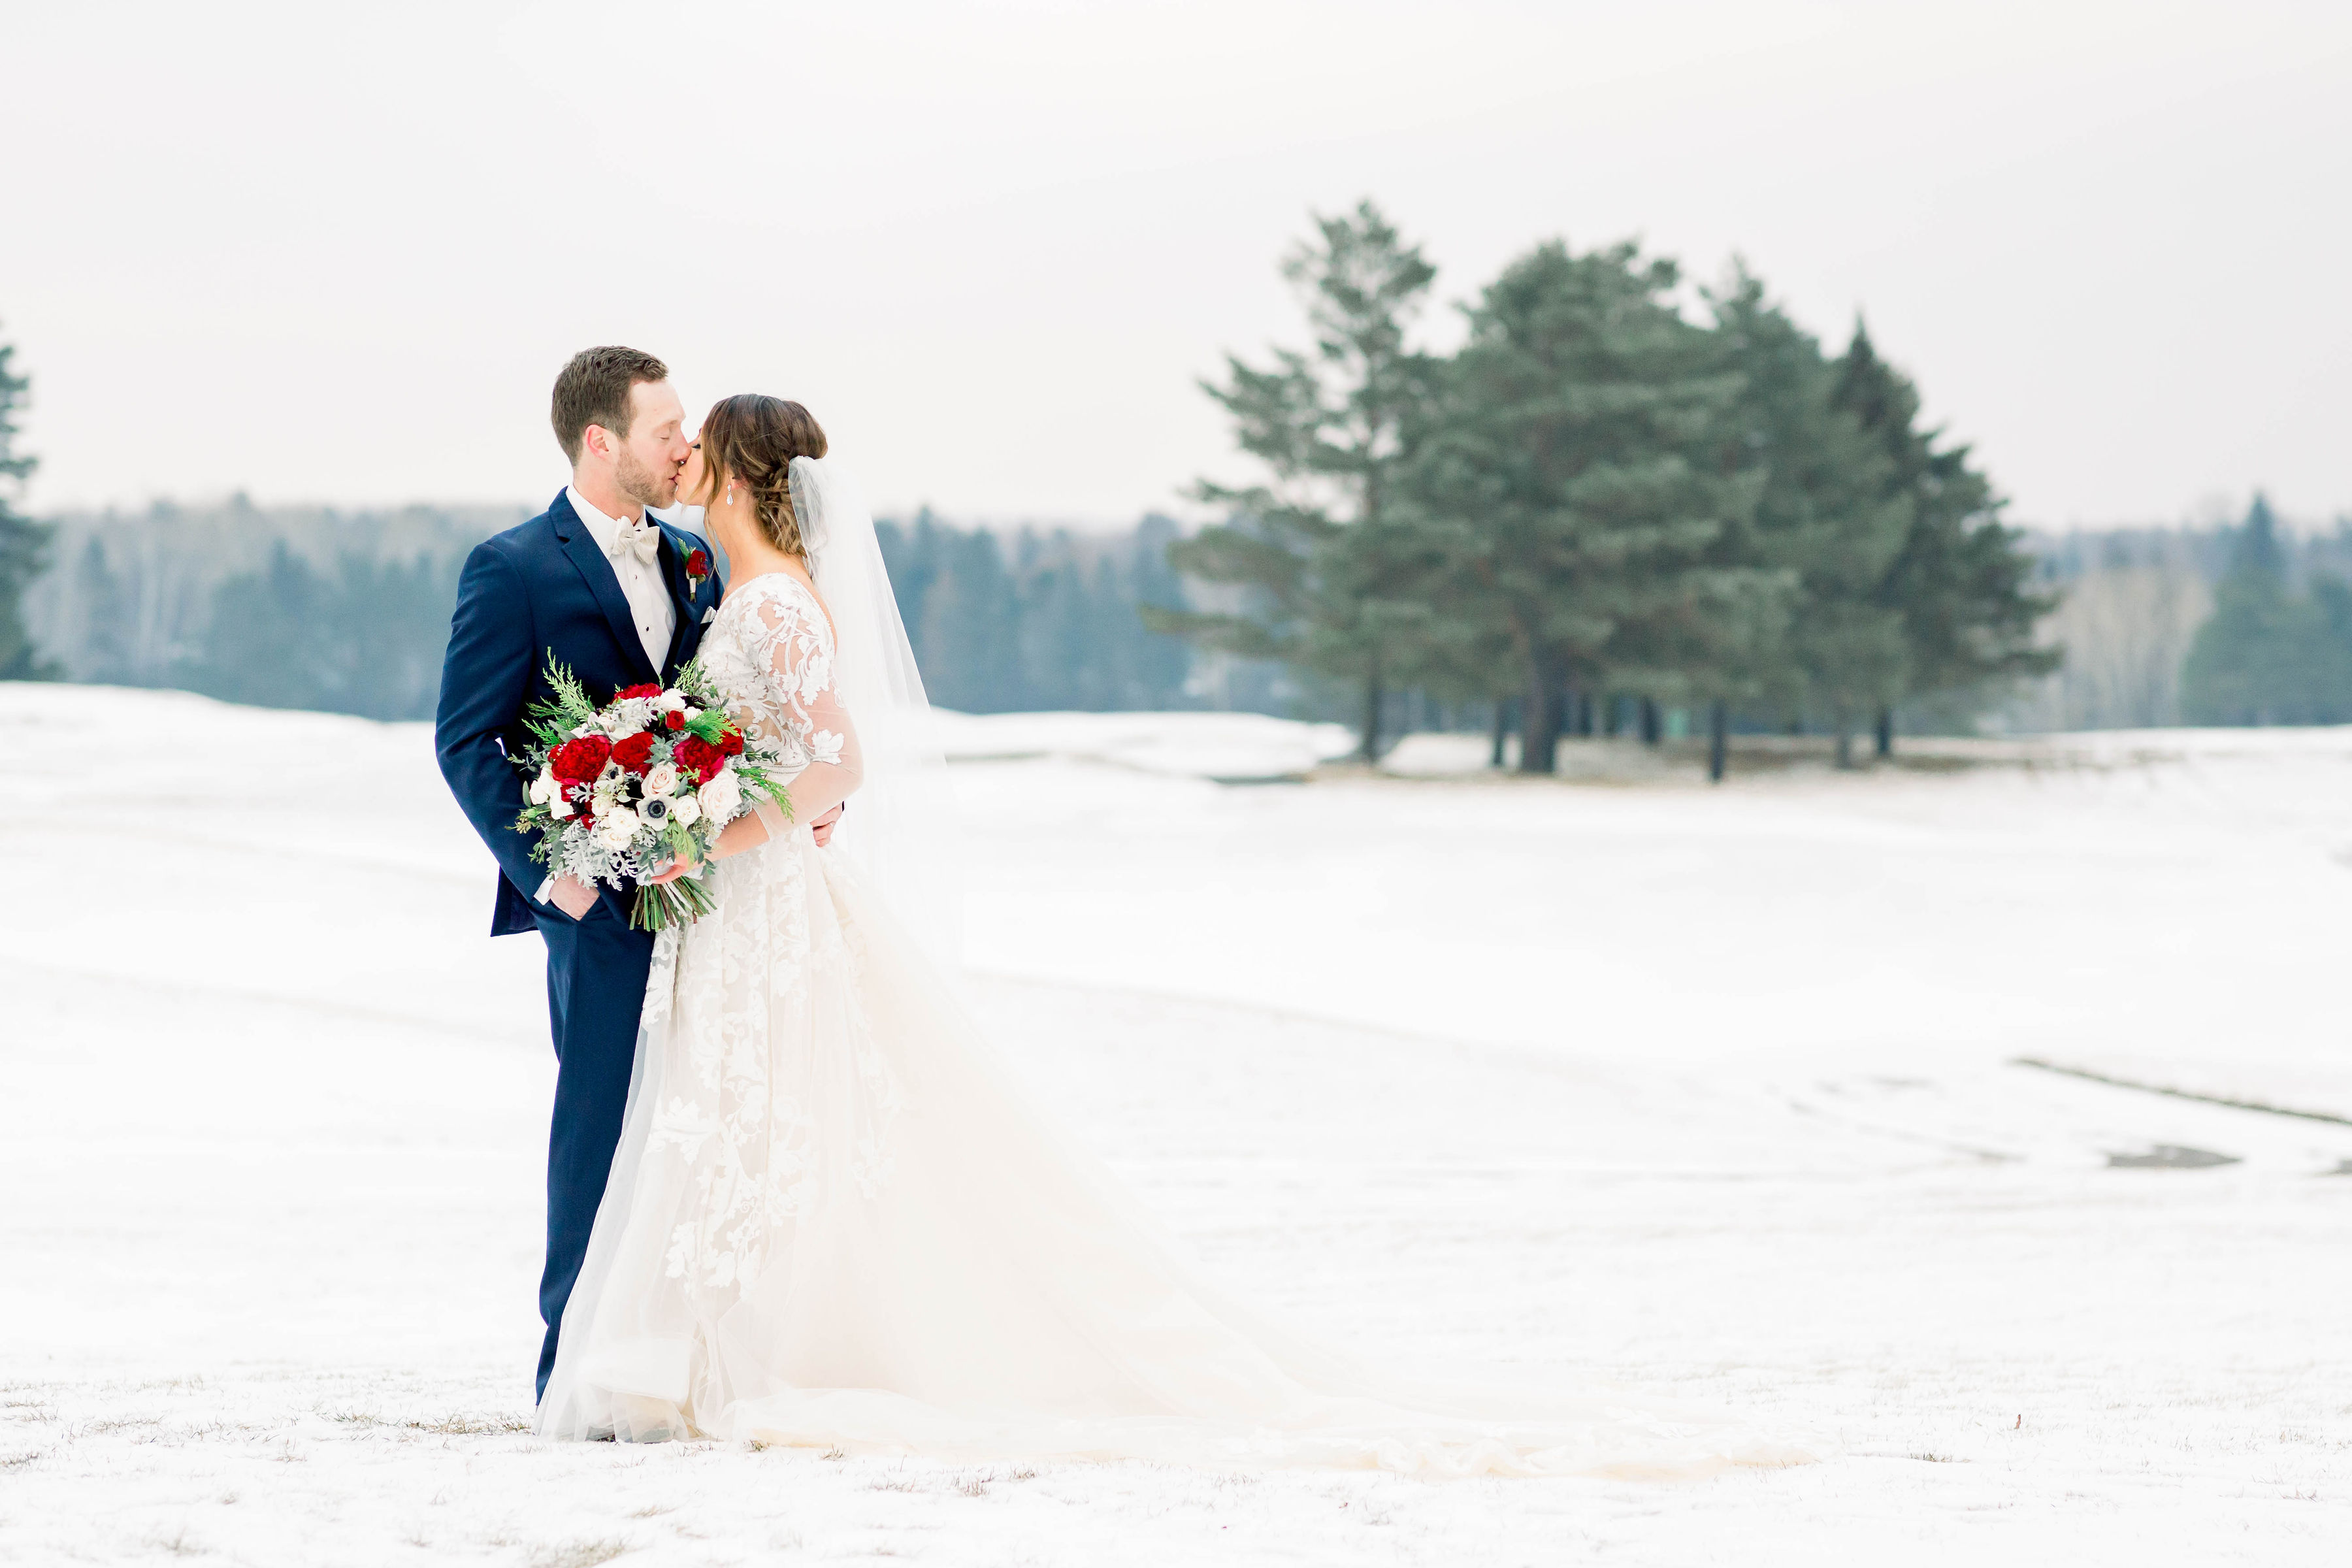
x,y
1709,1091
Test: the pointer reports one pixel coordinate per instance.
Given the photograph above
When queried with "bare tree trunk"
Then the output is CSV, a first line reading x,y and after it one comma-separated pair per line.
x,y
1502,731
1650,726
1718,731
1886,731
1539,723
1368,739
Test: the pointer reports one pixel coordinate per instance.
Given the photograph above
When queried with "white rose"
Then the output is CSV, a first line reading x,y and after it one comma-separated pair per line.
x,y
542,788
721,797
670,703
686,811
617,828
662,781
563,805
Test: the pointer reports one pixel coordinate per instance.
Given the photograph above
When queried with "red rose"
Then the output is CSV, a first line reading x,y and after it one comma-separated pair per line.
x,y
730,741
626,692
578,761
675,719
698,565
701,758
634,753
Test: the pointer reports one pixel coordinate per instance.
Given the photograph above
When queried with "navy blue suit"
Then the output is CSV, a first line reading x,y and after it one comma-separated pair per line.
x,y
546,589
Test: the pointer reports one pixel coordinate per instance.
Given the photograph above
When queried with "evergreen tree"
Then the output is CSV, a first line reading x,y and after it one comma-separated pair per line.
x,y
1162,662
972,626
105,650
2269,656
270,638
1828,515
1960,581
23,543
1333,428
1566,502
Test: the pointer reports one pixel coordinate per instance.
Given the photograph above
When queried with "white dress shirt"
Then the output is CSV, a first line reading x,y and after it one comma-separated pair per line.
x,y
650,606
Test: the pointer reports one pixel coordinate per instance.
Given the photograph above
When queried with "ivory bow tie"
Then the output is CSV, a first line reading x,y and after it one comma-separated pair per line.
x,y
642,540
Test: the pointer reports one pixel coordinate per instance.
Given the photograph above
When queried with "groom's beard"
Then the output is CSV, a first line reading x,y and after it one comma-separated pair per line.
x,y
645,486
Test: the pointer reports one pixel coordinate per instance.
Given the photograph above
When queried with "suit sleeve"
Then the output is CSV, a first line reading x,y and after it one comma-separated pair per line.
x,y
484,677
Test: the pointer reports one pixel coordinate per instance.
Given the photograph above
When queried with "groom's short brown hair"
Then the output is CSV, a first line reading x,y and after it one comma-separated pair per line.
x,y
593,388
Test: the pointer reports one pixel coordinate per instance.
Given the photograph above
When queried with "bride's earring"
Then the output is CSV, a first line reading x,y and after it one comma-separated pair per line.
x,y
730,495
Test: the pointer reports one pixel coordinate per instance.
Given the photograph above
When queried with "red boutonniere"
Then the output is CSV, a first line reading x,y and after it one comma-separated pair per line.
x,y
698,570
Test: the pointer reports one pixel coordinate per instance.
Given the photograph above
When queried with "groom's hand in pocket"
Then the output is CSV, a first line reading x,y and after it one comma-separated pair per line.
x,y
822,828
573,896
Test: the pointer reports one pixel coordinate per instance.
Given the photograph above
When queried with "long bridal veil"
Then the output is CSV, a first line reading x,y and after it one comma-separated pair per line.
x,y
900,826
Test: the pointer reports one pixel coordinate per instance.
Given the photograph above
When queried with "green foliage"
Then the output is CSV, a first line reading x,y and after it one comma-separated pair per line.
x,y
552,719
1050,622
1960,580
1830,516
1568,500
23,543
365,639
2269,656
1595,499
1303,554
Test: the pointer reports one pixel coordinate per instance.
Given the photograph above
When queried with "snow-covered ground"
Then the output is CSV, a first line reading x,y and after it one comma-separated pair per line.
x,y
1711,1092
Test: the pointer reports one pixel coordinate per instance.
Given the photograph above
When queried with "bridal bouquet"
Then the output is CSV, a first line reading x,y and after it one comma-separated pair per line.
x,y
617,793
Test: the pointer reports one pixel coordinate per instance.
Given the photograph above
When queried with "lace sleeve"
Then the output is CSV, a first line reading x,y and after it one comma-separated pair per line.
x,y
796,650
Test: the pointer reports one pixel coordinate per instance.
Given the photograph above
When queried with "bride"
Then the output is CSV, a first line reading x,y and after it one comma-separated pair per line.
x,y
833,1221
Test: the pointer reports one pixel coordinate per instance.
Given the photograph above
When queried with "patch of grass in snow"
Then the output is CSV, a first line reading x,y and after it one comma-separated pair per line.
x,y
174,1385
471,1426
651,1511
17,1461
578,1554
179,1545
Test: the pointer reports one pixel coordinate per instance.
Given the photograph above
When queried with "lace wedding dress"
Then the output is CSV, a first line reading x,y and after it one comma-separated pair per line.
x,y
833,1221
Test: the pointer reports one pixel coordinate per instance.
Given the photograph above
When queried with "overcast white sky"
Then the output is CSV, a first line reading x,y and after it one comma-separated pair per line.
x,y
334,252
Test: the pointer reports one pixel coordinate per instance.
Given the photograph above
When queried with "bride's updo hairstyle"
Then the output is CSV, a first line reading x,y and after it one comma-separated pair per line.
x,y
751,440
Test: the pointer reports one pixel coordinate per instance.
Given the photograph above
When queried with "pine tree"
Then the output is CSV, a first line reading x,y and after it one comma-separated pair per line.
x,y
1564,506
23,543
1162,662
1333,428
1960,581
104,653
1830,515
973,628
270,642
2269,656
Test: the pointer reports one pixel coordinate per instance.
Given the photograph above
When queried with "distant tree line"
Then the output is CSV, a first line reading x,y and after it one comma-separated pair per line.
x,y
1802,603
349,611
23,543
1598,503
2271,652
1039,621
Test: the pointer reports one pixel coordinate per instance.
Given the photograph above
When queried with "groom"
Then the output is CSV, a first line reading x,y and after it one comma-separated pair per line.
x,y
620,599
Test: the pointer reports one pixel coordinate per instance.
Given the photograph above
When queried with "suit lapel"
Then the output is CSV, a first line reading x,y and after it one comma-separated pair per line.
x,y
596,570
681,598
